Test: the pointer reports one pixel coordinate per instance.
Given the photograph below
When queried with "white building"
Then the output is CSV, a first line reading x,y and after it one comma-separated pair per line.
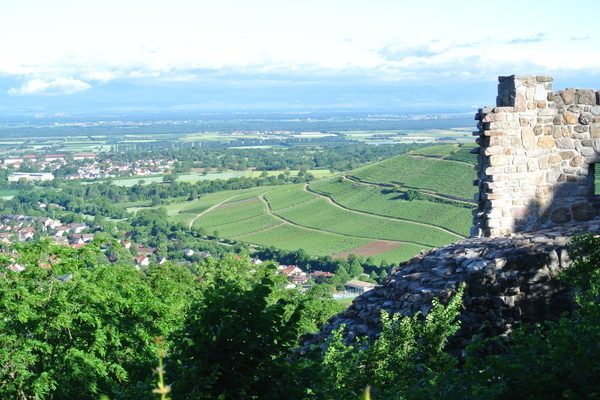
x,y
31,176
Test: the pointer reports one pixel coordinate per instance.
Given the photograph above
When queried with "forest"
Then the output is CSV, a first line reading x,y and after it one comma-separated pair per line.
x,y
75,327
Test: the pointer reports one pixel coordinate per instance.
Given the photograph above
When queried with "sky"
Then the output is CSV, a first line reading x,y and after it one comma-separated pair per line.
x,y
188,55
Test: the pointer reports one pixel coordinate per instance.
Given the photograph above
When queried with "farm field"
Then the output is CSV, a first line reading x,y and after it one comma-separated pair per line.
x,y
337,216
428,174
377,200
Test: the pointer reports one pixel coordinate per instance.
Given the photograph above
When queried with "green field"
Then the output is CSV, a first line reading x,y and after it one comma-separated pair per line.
x,y
432,175
375,200
336,215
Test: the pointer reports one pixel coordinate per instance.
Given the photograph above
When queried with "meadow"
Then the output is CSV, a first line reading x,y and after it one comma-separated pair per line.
x,y
430,174
337,216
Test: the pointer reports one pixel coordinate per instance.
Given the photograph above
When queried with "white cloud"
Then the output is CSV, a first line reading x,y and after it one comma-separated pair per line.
x,y
59,86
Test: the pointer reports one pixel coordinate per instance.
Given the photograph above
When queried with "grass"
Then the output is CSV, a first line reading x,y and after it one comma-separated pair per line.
x,y
322,215
375,200
429,174
290,218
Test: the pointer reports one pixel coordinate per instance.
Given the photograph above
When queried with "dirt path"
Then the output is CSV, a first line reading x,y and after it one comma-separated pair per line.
x,y
191,223
382,216
270,212
427,192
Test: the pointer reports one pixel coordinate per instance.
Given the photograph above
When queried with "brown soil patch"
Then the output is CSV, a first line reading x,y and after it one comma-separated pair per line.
x,y
370,249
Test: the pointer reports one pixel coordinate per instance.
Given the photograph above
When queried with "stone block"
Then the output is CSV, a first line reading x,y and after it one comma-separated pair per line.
x,y
569,118
498,160
557,132
585,96
565,143
576,161
583,212
567,96
560,215
489,151
554,158
585,119
595,130
543,191
528,139
523,121
545,141
567,155
587,151
494,117
548,119
520,212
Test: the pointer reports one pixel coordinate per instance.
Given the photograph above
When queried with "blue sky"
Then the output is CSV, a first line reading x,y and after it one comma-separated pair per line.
x,y
179,55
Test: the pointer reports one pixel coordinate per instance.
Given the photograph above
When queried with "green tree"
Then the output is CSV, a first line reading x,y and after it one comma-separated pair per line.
x,y
235,344
404,354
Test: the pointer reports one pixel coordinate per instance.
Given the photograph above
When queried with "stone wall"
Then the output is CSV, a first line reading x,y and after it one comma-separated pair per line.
x,y
509,280
537,157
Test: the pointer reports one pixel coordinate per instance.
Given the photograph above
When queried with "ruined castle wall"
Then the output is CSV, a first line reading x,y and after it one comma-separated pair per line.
x,y
537,155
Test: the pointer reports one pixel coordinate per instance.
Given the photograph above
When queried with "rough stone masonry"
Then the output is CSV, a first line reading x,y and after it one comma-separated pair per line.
x,y
537,157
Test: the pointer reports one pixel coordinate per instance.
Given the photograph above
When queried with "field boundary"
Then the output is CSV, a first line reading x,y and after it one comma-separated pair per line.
x,y
191,223
332,201
272,213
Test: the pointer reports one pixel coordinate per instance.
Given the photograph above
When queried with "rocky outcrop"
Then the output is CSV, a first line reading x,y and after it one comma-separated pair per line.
x,y
509,280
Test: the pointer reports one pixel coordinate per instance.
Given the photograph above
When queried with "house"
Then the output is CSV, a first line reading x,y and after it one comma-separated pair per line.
x,y
16,267
26,234
358,286
79,238
5,237
50,223
60,231
146,251
320,276
76,227
289,270
61,240
294,274
83,156
188,252
141,261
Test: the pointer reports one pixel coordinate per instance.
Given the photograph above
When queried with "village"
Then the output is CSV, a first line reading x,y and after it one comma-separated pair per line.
x,y
22,228
80,166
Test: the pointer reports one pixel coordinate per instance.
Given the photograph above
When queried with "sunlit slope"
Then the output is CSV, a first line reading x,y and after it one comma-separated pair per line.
x,y
338,215
427,171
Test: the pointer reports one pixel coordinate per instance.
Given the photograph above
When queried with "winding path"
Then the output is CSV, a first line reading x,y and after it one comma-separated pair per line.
x,y
191,223
332,202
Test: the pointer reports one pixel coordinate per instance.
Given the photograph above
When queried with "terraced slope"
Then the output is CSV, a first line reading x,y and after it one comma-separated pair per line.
x,y
337,216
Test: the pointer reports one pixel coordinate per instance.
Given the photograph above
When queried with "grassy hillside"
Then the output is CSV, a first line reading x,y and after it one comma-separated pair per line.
x,y
365,213
427,170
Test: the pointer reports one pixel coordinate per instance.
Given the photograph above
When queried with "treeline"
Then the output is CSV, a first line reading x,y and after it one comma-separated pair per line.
x,y
73,327
338,157
103,198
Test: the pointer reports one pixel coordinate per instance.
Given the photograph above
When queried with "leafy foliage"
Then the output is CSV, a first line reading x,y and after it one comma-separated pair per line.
x,y
408,349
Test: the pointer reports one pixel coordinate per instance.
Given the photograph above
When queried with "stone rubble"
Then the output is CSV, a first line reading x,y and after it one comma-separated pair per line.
x,y
508,280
